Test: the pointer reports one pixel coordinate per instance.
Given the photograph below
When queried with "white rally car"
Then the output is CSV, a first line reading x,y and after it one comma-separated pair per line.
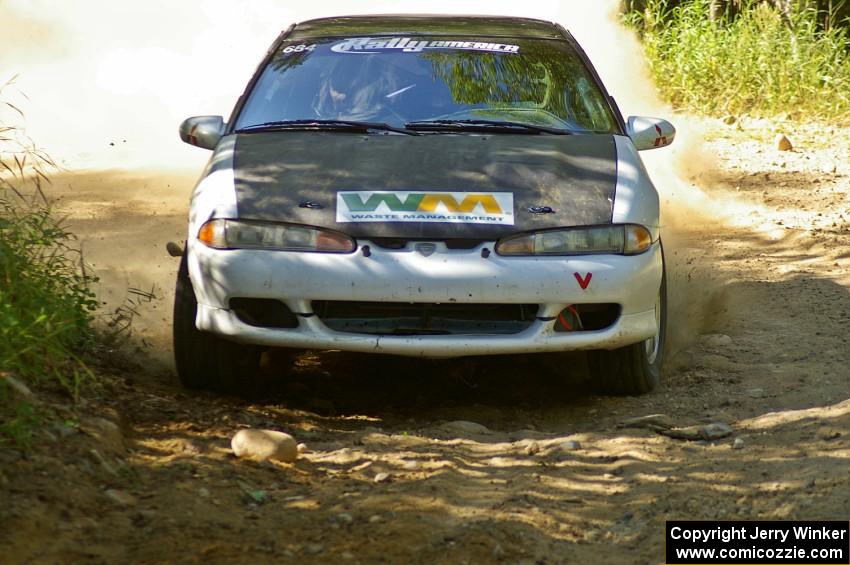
x,y
427,186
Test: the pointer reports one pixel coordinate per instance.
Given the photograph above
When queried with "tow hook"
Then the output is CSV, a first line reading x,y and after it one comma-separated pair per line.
x,y
174,249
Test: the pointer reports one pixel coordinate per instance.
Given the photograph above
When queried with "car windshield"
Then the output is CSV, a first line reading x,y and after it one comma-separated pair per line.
x,y
463,81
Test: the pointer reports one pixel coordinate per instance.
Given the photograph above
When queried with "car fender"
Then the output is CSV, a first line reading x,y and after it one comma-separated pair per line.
x,y
213,197
636,200
215,194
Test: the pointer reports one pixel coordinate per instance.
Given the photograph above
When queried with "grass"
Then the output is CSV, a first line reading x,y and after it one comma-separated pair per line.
x,y
46,301
756,64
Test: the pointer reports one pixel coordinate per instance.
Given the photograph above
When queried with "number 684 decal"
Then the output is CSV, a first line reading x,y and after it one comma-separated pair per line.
x,y
298,48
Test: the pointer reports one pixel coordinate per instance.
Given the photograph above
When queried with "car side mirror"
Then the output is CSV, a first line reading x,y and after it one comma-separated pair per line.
x,y
650,133
202,131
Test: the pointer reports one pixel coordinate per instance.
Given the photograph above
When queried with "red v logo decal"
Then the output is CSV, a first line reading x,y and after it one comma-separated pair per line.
x,y
583,282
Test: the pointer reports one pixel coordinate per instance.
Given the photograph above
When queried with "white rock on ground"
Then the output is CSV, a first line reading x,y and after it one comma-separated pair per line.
x,y
464,427
717,340
120,497
715,430
651,421
262,445
532,448
570,445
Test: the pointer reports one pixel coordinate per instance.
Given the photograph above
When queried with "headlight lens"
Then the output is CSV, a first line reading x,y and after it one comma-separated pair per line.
x,y
628,239
238,234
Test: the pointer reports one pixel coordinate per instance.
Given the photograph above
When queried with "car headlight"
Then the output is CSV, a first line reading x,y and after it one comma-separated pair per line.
x,y
239,234
627,239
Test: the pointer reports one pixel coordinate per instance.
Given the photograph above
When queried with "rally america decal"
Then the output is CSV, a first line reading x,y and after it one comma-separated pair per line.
x,y
495,208
365,45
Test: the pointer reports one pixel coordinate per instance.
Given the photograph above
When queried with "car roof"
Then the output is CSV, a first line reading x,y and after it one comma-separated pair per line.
x,y
395,24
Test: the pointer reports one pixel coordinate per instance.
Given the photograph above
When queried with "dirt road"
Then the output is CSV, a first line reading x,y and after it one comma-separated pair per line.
x,y
476,461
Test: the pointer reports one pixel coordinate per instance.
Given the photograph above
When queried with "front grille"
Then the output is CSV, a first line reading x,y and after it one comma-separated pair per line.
x,y
587,317
463,243
404,318
263,312
389,242
394,243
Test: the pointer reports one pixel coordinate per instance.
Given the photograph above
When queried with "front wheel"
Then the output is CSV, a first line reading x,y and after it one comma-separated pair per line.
x,y
204,360
634,369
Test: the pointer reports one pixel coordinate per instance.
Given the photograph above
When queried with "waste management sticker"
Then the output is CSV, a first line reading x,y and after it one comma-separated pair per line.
x,y
426,206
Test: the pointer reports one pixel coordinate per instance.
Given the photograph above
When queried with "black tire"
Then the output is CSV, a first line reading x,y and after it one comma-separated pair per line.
x,y
205,361
632,369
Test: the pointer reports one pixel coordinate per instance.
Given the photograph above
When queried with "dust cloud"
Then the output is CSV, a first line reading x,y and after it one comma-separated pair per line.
x,y
107,84
100,73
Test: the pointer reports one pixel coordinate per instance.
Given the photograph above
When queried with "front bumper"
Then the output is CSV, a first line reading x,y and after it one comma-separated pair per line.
x,y
458,276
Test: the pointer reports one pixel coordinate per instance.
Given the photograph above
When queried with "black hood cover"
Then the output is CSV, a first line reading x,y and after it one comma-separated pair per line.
x,y
295,176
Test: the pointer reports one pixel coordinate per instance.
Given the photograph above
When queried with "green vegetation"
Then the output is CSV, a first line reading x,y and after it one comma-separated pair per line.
x,y
46,303
759,62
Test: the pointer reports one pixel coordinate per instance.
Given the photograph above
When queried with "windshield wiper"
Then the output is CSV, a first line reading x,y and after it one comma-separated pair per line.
x,y
488,125
324,125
